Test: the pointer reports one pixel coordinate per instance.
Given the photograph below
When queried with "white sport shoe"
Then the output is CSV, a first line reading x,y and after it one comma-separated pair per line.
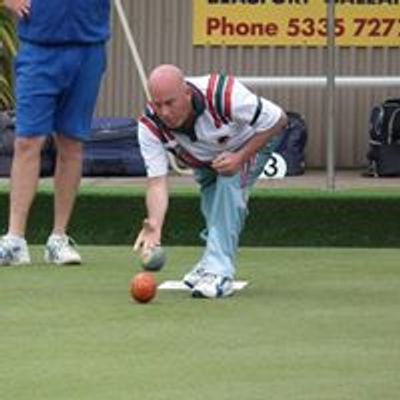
x,y
213,286
60,250
193,277
13,251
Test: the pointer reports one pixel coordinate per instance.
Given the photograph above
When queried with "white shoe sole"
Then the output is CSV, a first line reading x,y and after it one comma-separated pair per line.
x,y
199,294
72,261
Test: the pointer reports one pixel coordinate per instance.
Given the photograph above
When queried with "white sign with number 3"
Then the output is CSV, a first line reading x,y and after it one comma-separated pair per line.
x,y
275,167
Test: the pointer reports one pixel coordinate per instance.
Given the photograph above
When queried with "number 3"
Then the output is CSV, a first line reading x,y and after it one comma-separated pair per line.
x,y
271,167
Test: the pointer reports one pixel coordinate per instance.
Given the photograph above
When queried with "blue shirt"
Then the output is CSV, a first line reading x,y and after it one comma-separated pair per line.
x,y
66,21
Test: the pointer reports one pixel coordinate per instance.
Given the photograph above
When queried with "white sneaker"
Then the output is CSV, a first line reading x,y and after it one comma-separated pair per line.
x,y
193,277
213,286
60,250
13,251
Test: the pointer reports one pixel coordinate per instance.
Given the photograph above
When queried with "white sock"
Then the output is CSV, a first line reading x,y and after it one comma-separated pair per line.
x,y
15,238
56,236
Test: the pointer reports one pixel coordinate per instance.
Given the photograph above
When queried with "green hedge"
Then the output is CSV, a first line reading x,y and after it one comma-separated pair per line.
x,y
277,218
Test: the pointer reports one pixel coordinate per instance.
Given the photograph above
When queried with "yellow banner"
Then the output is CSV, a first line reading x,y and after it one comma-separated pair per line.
x,y
295,22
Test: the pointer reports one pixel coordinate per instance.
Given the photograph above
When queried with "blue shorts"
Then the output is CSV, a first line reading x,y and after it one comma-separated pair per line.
x,y
57,87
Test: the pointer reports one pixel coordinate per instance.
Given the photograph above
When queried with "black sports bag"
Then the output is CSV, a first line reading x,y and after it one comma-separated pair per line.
x,y
292,142
384,139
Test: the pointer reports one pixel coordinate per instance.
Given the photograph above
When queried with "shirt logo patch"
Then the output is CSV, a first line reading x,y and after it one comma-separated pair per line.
x,y
223,139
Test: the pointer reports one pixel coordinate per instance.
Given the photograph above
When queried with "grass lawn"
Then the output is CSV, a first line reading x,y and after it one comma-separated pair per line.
x,y
313,324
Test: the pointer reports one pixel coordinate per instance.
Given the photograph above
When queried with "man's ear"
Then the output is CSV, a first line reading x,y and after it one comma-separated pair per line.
x,y
188,90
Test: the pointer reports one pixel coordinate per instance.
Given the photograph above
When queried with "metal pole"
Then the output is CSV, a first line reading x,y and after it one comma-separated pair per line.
x,y
330,97
320,81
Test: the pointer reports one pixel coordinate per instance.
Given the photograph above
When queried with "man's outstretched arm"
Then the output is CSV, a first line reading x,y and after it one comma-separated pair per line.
x,y
157,205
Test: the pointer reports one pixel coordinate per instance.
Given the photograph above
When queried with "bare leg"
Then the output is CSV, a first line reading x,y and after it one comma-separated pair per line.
x,y
66,180
24,181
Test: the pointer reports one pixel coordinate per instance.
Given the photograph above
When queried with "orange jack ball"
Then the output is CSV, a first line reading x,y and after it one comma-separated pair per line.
x,y
143,287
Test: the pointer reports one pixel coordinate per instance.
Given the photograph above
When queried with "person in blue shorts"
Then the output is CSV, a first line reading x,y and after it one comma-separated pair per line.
x,y
58,69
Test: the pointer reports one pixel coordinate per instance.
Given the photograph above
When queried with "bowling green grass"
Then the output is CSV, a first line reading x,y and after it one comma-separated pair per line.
x,y
313,324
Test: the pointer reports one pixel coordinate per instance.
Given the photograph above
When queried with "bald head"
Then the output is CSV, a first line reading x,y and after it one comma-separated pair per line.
x,y
165,78
171,96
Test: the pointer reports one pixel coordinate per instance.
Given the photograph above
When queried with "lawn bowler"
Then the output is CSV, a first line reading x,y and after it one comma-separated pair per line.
x,y
223,131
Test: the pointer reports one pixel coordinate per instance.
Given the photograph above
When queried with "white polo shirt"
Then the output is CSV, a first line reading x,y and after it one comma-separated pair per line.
x,y
228,115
